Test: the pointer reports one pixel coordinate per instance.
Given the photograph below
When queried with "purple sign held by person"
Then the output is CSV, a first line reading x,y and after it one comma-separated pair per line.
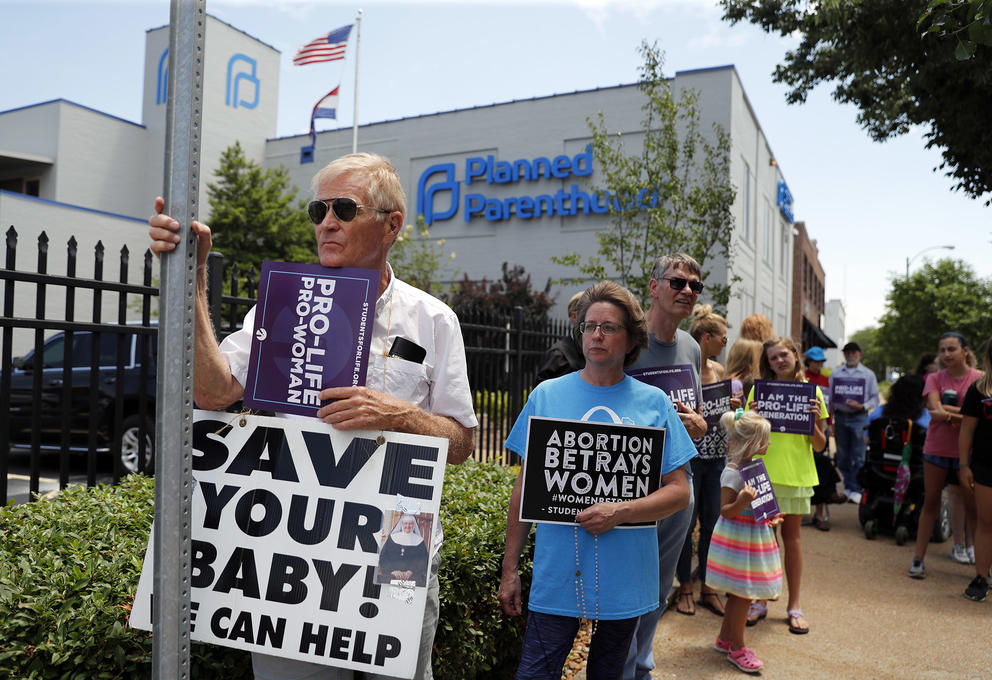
x,y
313,327
716,402
678,382
786,405
764,506
848,388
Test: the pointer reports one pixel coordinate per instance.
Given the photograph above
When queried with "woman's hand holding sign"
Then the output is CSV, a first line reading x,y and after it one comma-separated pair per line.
x,y
599,518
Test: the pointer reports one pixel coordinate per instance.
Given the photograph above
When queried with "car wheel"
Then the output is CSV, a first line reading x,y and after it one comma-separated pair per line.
x,y
942,527
129,445
871,530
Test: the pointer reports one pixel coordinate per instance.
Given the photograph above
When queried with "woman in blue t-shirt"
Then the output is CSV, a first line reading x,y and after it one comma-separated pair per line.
x,y
584,568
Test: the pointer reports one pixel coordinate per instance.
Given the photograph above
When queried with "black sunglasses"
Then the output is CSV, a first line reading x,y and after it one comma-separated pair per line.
x,y
344,208
678,283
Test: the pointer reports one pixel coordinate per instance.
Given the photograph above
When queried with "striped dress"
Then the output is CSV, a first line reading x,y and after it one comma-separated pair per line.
x,y
743,558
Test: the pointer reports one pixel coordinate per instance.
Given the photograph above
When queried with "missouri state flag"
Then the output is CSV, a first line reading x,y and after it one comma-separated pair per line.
x,y
328,47
327,107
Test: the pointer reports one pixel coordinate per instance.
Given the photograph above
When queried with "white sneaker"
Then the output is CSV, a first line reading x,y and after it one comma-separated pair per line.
x,y
971,554
916,569
853,497
959,554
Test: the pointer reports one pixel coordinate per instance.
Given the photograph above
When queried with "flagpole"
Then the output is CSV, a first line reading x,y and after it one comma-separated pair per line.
x,y
358,44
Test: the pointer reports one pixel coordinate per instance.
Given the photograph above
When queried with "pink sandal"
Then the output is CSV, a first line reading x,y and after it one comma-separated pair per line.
x,y
722,645
745,660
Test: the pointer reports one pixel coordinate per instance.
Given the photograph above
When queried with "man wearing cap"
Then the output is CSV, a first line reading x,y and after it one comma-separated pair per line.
x,y
851,418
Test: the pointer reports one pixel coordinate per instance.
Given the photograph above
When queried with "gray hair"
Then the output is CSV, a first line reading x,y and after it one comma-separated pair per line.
x,y
666,262
382,182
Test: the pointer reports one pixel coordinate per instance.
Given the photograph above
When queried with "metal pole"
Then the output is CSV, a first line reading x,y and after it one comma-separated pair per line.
x,y
358,46
174,402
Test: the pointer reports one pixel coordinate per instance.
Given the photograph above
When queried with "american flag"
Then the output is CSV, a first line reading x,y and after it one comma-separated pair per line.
x,y
329,47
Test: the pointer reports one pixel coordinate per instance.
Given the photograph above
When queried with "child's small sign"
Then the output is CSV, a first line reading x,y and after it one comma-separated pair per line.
x,y
764,506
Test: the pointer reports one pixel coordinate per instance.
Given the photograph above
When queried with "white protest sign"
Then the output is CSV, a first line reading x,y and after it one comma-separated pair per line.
x,y
289,516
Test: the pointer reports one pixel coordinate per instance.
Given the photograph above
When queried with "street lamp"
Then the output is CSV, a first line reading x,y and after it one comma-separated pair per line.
x,y
910,259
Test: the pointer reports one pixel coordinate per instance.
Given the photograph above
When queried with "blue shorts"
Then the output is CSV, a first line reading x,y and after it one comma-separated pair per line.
x,y
952,465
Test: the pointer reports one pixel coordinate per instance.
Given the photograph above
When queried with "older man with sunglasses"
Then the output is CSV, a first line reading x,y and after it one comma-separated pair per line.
x,y
675,286
357,214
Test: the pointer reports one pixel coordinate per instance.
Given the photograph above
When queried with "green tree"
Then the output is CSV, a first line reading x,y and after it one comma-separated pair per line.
x,y
422,261
875,55
255,215
690,174
969,22
940,297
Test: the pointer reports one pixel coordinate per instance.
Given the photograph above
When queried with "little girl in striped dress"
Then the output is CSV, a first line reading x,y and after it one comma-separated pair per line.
x,y
743,559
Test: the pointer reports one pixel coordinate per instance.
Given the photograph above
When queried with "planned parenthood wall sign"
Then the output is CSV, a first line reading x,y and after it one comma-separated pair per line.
x,y
313,326
287,526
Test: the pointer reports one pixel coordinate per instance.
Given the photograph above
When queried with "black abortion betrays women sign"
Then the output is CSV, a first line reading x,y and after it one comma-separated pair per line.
x,y
572,464
287,528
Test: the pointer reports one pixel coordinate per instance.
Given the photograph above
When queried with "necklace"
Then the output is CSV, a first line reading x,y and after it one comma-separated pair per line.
x,y
580,590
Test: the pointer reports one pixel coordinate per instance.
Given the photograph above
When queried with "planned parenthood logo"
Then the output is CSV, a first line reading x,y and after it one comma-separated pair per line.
x,y
426,194
242,78
440,195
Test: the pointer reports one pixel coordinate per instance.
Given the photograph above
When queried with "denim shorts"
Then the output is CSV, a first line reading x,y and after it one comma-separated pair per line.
x,y
952,465
943,461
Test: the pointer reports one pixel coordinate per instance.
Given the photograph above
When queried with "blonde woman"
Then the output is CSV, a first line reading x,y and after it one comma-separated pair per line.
x,y
709,329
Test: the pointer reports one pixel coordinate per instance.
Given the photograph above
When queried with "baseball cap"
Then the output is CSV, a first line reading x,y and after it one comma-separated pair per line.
x,y
816,354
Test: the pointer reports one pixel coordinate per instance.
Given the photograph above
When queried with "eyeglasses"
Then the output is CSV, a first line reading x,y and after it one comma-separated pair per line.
x,y
606,328
678,283
344,208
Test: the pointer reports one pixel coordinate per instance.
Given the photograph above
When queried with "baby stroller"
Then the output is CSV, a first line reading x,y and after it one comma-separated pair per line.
x,y
886,506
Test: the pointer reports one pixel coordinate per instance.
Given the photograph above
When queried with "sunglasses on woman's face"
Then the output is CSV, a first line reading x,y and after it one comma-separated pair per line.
x,y
345,209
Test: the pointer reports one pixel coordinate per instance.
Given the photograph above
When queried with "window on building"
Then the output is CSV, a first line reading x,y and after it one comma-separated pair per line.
x,y
768,233
783,246
19,185
746,203
747,304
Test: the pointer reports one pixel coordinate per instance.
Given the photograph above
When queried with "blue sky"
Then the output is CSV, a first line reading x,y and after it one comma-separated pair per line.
x,y
869,206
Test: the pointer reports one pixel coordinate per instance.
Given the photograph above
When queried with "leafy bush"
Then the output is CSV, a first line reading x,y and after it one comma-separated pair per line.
x,y
474,638
69,567
512,289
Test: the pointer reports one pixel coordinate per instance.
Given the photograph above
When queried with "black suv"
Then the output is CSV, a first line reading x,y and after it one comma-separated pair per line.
x,y
83,400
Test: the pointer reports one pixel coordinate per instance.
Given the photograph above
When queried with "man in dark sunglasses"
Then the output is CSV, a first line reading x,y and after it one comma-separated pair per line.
x,y
417,380
675,286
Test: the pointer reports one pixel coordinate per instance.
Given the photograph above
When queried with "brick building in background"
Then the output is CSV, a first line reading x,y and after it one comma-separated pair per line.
x,y
808,300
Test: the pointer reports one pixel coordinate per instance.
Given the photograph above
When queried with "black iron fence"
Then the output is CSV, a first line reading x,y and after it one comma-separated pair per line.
x,y
86,386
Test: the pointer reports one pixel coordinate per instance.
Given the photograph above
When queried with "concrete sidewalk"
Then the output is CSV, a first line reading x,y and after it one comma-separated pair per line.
x,y
867,618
